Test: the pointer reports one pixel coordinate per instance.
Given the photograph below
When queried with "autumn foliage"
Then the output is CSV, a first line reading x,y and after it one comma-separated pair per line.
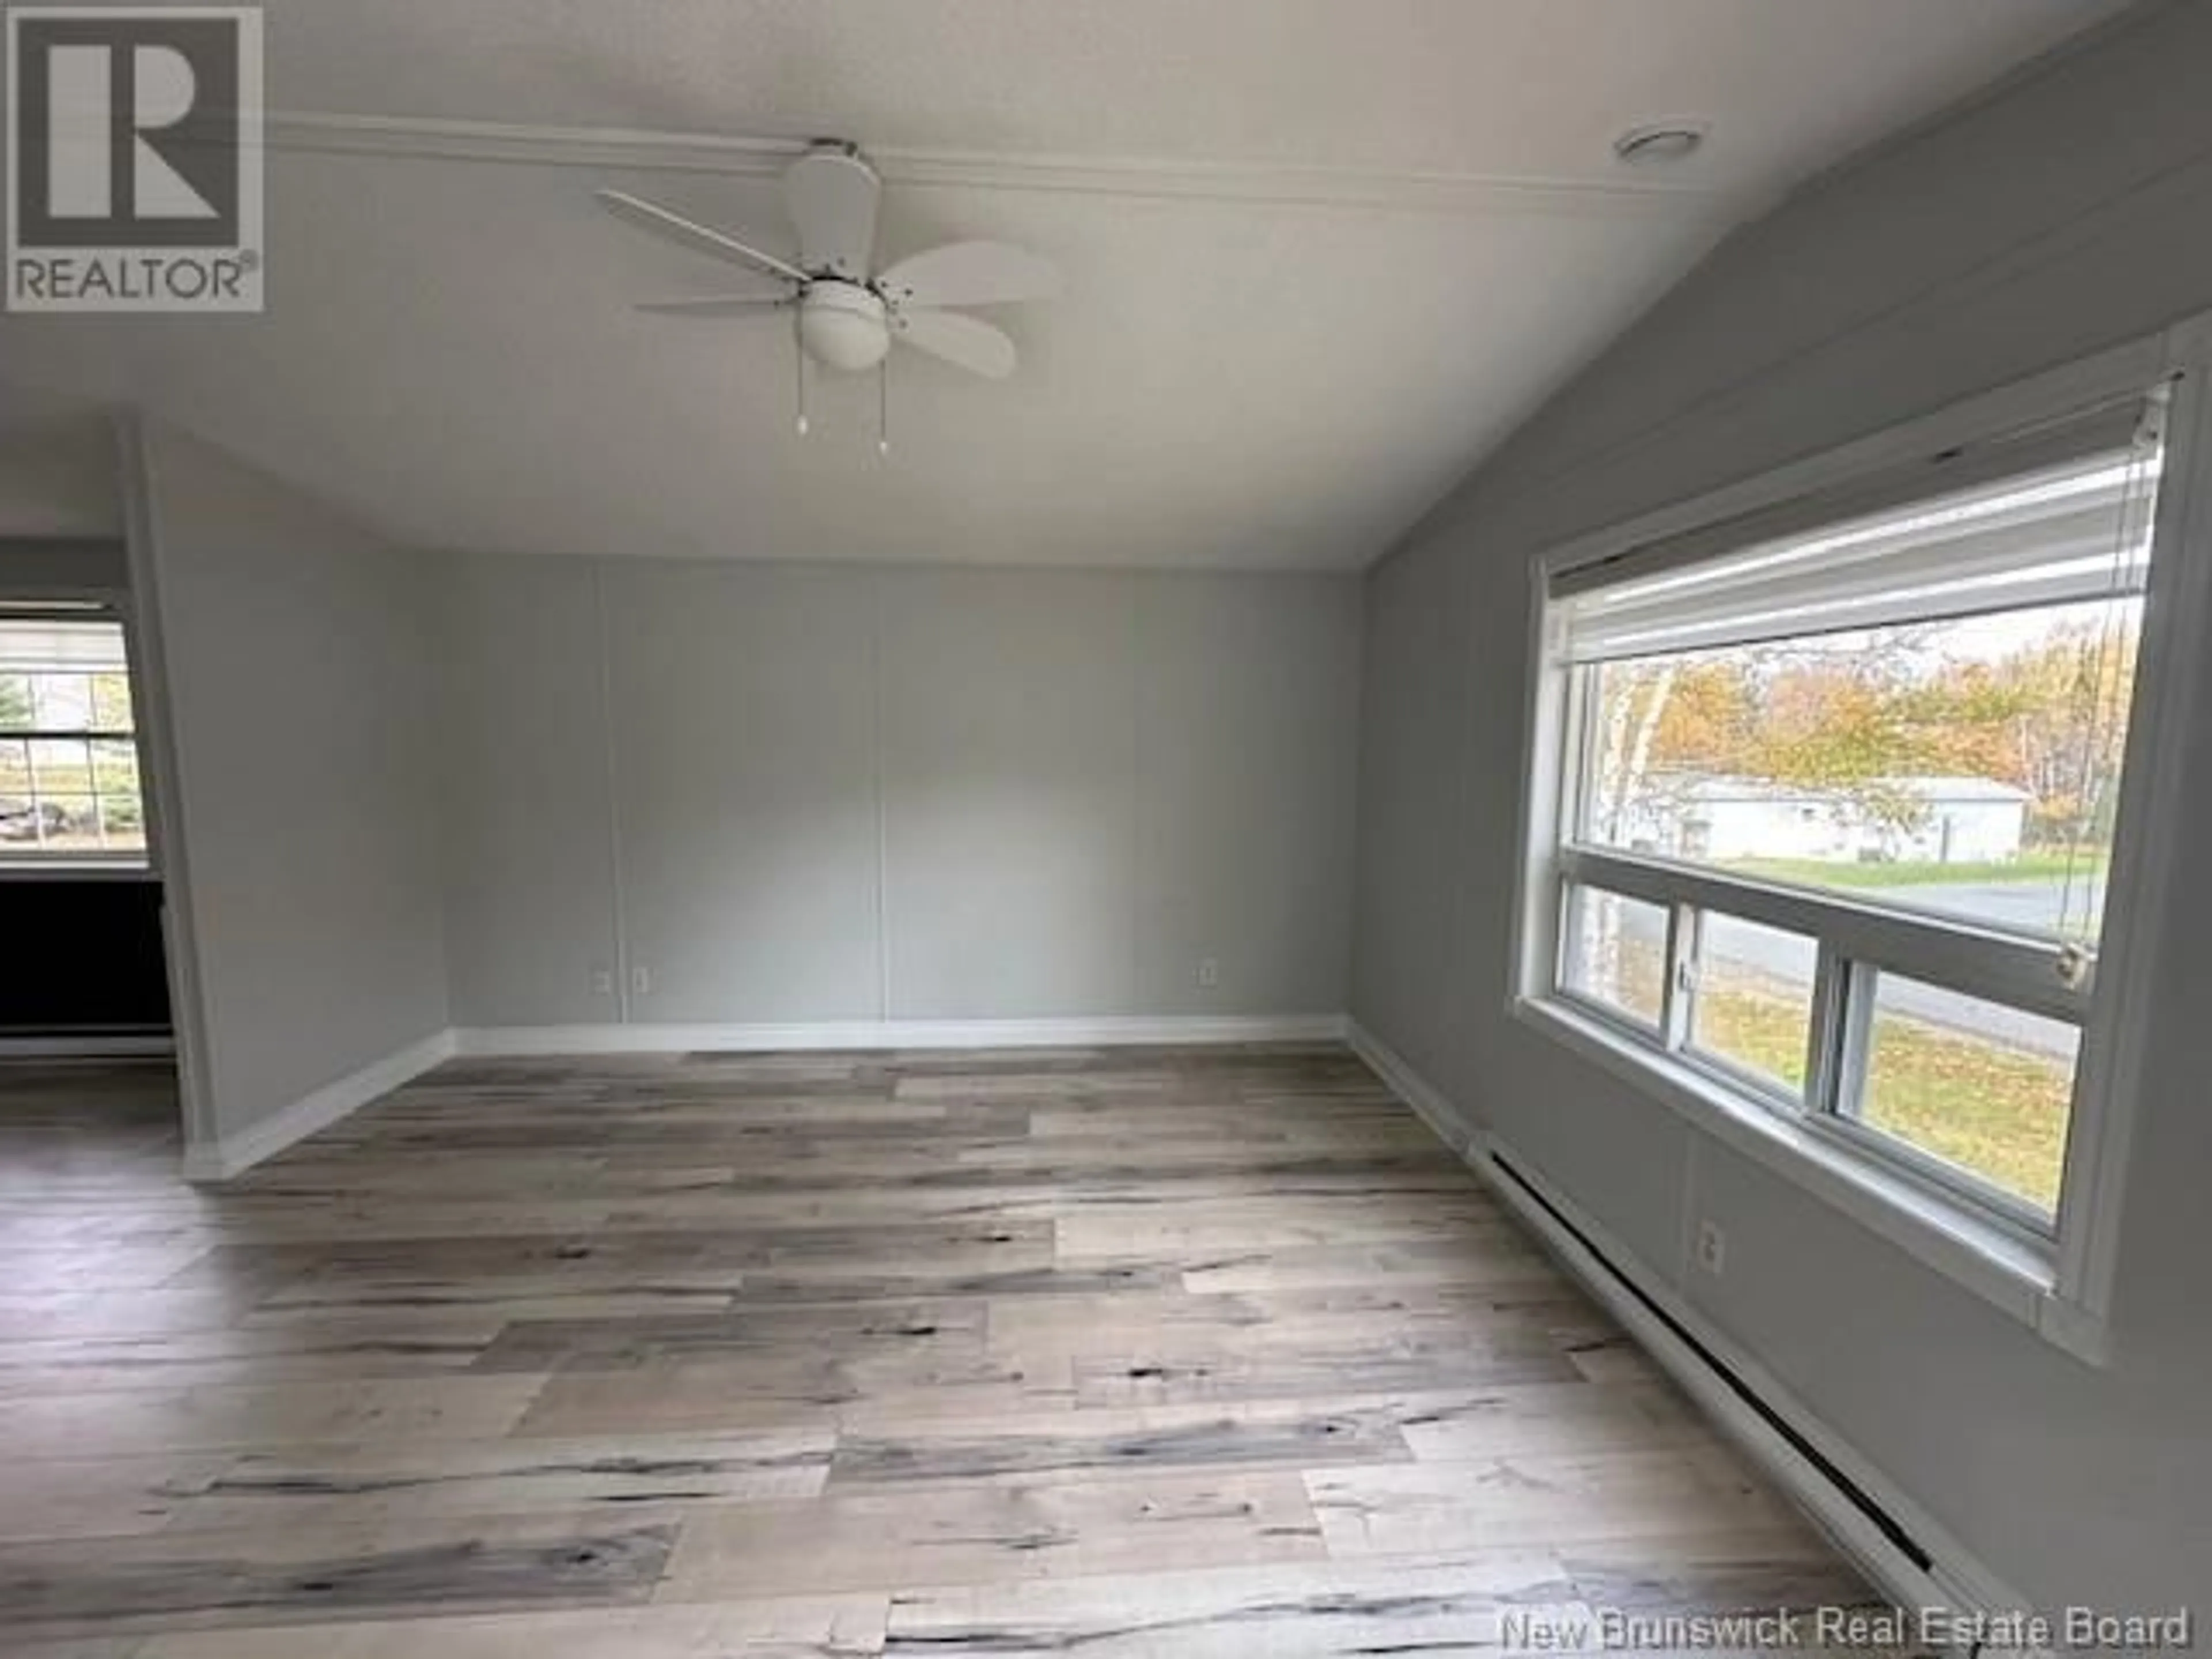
x,y
1849,713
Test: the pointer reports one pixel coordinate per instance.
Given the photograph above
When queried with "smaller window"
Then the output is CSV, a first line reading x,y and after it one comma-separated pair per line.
x,y
1615,954
1751,1000
69,755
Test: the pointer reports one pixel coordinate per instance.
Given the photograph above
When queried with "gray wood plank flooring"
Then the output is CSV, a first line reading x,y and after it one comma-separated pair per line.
x,y
1119,1352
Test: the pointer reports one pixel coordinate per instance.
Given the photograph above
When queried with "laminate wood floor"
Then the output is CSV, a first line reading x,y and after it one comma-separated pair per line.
x,y
1116,1354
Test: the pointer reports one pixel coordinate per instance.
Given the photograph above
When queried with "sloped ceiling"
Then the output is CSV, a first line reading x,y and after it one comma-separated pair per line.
x,y
1321,255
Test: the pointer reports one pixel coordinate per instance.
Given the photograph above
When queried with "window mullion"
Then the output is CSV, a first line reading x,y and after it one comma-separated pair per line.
x,y
1679,995
1842,1011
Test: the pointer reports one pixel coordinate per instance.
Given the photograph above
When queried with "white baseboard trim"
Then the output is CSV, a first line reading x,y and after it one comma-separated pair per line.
x,y
1427,1101
86,1047
1957,1584
232,1155
490,1041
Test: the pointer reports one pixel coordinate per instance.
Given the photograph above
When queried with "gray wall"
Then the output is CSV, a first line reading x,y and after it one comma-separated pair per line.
x,y
299,688
2072,211
805,793
57,468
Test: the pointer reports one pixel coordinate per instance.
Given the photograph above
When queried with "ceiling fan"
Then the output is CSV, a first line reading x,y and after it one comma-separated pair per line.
x,y
847,314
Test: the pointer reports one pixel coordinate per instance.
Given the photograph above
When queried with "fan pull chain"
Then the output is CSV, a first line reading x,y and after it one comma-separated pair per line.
x,y
798,364
883,407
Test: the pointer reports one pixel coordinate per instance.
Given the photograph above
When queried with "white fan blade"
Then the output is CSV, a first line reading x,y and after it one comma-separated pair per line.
x,y
970,274
715,305
685,233
965,342
831,196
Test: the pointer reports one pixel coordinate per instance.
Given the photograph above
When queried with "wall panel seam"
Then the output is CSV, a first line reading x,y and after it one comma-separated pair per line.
x,y
618,911
880,787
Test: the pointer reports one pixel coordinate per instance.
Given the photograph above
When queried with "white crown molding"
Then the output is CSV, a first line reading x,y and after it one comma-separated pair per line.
x,y
604,149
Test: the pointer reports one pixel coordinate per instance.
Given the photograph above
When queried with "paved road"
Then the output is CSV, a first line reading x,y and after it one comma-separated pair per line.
x,y
2040,904
2020,904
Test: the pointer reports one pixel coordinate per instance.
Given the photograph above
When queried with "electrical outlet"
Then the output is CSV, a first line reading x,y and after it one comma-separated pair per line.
x,y
1712,1248
603,981
1209,972
640,980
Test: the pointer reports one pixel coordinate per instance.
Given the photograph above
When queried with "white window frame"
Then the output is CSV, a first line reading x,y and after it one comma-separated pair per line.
x,y
2054,1273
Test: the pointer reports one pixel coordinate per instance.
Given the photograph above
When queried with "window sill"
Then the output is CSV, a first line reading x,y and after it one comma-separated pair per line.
x,y
2011,1274
62,869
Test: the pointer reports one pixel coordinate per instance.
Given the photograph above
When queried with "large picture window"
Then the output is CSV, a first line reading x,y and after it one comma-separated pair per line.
x,y
1838,787
69,752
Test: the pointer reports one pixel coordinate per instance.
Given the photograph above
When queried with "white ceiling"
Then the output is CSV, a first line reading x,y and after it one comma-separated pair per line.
x,y
1321,255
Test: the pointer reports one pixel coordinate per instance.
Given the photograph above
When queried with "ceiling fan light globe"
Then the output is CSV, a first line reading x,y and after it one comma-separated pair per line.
x,y
842,326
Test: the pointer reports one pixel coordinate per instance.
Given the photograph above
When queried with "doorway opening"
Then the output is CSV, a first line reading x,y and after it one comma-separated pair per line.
x,y
89,1077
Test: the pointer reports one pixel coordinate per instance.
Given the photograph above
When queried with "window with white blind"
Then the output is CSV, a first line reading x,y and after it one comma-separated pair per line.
x,y
1829,794
69,752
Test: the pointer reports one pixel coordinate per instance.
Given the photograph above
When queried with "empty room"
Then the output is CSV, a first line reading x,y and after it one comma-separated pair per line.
x,y
1139,829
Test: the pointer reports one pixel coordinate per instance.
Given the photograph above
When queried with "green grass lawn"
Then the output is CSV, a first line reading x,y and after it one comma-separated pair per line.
x,y
2000,1112
1820,873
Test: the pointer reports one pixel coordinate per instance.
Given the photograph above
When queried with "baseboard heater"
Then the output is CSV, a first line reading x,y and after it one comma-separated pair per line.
x,y
1880,1517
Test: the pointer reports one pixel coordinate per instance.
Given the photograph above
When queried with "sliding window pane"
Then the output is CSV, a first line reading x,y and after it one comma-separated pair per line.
x,y
1753,1006
1981,1086
1615,954
16,704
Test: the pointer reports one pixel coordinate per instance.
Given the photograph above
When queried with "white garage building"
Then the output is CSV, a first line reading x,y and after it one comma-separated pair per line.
x,y
1960,820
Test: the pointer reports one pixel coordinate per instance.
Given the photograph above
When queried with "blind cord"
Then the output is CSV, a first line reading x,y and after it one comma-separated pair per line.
x,y
2103,665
